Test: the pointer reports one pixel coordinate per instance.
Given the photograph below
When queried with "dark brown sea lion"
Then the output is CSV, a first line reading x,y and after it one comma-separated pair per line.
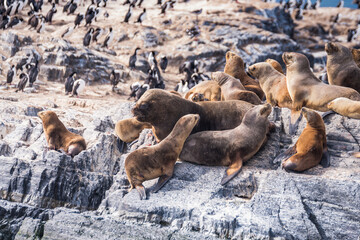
x,y
162,110
310,148
58,137
232,89
159,160
229,147
235,67
341,67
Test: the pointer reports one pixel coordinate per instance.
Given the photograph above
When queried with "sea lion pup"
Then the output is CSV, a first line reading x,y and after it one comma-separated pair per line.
x,y
341,67
345,107
356,56
275,64
229,147
232,89
162,110
210,89
58,137
308,91
159,160
310,148
235,67
198,97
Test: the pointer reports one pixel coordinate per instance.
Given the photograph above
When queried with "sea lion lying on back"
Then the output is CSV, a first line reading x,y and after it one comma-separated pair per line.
x,y
341,67
232,89
310,148
235,68
209,89
58,137
229,147
159,160
162,110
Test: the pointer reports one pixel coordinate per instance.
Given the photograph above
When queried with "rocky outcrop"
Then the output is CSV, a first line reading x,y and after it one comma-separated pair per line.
x,y
263,201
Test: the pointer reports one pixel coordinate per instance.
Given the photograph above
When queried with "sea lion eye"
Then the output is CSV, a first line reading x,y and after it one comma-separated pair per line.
x,y
144,106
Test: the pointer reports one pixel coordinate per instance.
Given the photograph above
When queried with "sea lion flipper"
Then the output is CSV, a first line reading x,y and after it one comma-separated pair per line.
x,y
325,114
142,192
295,118
232,171
121,145
325,159
285,155
161,182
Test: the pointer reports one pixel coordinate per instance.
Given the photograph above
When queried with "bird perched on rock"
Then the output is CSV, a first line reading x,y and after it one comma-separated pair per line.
x,y
69,83
87,37
128,14
41,27
33,72
22,83
67,32
132,59
109,38
193,32
166,6
115,78
4,21
351,34
197,13
10,75
73,6
142,16
163,63
15,21
51,13
79,86
340,4
97,34
78,19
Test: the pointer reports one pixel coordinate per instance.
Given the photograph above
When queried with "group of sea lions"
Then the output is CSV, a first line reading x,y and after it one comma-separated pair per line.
x,y
231,125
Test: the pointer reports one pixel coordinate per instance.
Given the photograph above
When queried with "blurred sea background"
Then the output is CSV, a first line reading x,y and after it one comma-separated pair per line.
x,y
334,3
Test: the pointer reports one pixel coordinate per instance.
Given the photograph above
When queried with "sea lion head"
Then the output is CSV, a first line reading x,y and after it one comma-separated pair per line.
x,y
331,48
198,97
235,59
312,118
47,115
257,114
189,120
275,64
260,70
296,61
338,51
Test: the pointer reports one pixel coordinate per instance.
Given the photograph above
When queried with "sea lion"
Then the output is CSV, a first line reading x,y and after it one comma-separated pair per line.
x,y
210,89
232,89
275,64
229,147
341,67
159,160
58,137
345,107
235,67
306,90
162,110
356,56
129,129
310,148
198,97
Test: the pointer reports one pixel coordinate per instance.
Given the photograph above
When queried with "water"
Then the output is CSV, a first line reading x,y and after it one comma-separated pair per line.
x,y
334,3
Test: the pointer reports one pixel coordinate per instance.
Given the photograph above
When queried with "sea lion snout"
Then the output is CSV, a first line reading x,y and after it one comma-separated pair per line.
x,y
266,109
287,57
330,47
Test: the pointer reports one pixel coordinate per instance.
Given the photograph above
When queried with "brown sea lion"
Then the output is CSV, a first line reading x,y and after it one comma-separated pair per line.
x,y
235,67
229,147
356,56
198,97
129,129
310,148
159,160
345,107
210,89
275,64
308,91
162,110
58,137
341,67
232,89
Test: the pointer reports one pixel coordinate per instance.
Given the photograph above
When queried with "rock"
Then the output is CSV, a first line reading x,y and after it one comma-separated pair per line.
x,y
150,39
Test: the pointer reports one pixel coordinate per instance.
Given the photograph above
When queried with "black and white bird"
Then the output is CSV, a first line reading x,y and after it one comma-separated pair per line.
x,y
15,21
182,87
128,14
41,27
132,59
33,72
134,88
22,83
140,2
69,83
68,31
197,13
109,38
97,34
115,78
316,5
142,16
10,75
78,19
351,34
137,90
165,7
51,13
72,8
4,22
67,6
90,15
337,18
36,5
193,32
163,63
87,37
33,21
79,86
152,60
340,4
